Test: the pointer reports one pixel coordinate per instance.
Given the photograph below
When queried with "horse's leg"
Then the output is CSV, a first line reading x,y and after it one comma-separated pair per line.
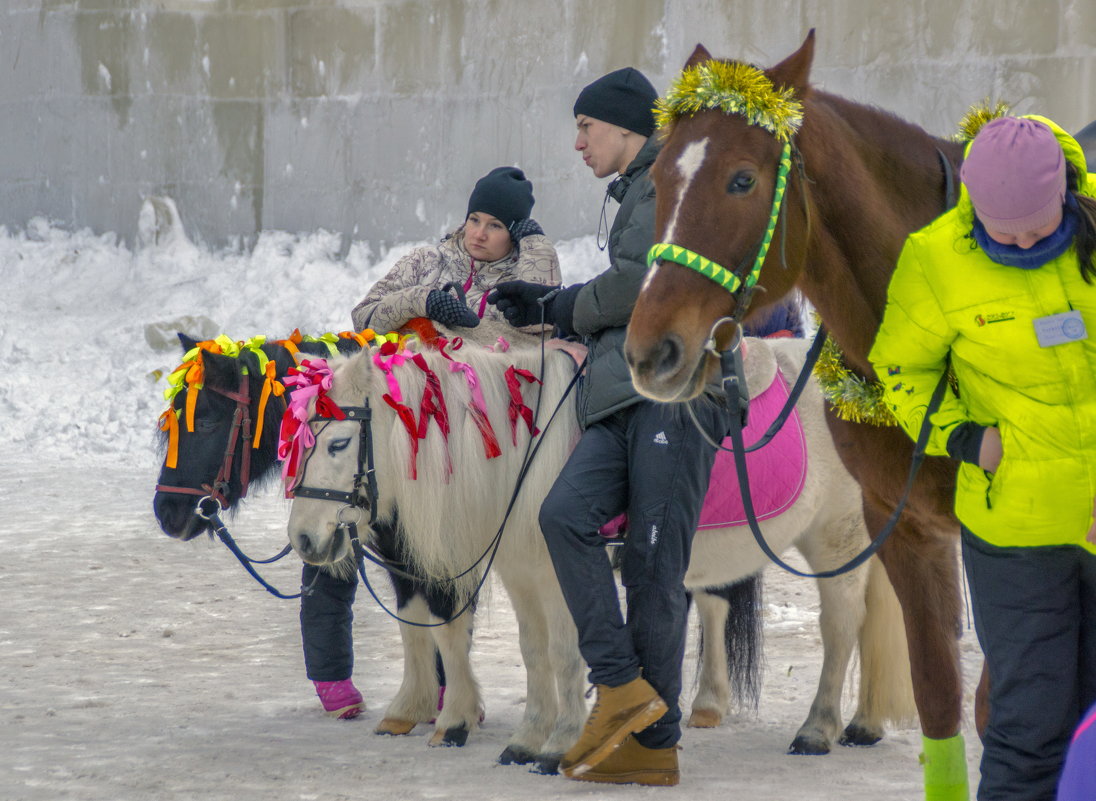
x,y
714,689
730,652
923,568
417,698
541,707
463,705
981,702
570,675
886,691
841,611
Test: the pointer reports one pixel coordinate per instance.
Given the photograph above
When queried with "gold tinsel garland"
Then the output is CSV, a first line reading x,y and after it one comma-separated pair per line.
x,y
977,116
852,397
733,88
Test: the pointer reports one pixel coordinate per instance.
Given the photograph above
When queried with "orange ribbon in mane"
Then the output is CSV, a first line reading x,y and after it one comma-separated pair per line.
x,y
271,386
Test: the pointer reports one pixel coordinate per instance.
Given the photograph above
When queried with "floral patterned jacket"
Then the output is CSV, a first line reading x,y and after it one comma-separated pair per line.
x,y
401,294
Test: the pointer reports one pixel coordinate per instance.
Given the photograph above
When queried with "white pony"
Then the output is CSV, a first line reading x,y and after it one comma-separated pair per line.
x,y
448,516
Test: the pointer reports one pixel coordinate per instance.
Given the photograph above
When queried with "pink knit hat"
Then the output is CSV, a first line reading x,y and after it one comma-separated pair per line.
x,y
1015,173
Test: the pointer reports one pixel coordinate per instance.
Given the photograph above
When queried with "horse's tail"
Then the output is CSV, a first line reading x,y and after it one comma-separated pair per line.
x,y
742,633
886,687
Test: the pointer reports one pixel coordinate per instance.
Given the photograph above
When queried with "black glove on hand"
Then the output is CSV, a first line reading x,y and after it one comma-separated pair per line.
x,y
519,229
449,311
517,300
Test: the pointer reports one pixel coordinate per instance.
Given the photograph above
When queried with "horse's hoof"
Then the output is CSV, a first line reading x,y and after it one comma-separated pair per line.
x,y
394,726
807,746
859,736
454,737
547,764
704,719
513,755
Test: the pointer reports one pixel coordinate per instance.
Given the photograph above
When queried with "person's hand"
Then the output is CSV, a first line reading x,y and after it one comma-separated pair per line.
x,y
990,452
449,310
519,229
517,300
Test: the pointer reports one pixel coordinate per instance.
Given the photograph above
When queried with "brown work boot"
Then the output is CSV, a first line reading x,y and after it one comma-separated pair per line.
x,y
618,712
633,763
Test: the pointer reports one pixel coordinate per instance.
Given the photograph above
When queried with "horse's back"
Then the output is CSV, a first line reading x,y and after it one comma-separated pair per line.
x,y
1086,138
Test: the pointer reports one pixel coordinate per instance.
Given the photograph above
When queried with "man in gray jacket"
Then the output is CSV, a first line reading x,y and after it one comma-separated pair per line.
x,y
634,455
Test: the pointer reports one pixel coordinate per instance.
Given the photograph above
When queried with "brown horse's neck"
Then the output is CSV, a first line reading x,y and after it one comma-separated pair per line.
x,y
872,179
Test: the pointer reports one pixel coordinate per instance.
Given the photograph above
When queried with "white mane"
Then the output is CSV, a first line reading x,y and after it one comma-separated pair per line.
x,y
449,519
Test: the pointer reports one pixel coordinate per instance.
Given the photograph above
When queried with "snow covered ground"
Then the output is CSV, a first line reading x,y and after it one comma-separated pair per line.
x,y
136,667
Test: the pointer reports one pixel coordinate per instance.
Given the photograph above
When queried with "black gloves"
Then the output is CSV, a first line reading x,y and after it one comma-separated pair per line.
x,y
519,229
519,303
449,310
517,300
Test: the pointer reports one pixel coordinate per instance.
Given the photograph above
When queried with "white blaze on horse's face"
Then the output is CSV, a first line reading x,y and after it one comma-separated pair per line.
x,y
331,464
688,165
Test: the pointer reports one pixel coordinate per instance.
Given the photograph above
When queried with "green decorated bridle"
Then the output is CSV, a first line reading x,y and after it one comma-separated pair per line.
x,y
744,90
743,280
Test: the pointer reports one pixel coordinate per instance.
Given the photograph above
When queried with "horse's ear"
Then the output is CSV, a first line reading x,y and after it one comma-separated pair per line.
x,y
795,70
221,371
699,56
282,358
187,342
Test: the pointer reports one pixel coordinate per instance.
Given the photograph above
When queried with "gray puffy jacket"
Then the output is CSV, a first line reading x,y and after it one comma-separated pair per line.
x,y
604,305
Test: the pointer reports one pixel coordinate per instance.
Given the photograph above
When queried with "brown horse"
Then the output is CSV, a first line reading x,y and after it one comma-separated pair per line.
x,y
861,180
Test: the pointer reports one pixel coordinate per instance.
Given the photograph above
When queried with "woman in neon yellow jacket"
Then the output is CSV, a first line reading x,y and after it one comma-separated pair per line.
x,y
1002,289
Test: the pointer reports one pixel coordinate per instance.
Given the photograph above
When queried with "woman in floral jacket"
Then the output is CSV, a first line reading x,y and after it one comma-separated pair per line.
x,y
498,241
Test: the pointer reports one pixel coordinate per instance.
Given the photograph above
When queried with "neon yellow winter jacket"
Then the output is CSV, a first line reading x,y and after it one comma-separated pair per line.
x,y
946,296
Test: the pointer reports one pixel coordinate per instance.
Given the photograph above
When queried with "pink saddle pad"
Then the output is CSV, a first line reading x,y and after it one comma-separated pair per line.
x,y
777,471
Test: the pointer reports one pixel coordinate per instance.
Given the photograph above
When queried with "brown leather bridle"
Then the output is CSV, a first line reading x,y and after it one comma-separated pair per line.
x,y
240,432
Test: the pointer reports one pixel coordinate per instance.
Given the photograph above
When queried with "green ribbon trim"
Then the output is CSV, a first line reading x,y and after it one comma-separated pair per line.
x,y
694,261
667,251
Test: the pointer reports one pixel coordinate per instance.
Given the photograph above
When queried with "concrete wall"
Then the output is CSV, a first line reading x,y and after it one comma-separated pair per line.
x,y
374,117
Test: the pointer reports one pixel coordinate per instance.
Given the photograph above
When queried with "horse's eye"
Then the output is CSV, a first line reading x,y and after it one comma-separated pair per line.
x,y
337,445
741,183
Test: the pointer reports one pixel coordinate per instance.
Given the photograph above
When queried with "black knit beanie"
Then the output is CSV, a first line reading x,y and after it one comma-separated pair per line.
x,y
504,193
625,98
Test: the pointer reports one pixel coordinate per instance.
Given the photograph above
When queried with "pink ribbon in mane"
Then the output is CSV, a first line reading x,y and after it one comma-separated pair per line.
x,y
477,407
311,380
388,357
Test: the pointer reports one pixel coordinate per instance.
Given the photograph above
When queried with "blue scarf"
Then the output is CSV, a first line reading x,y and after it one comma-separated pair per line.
x,y
1045,250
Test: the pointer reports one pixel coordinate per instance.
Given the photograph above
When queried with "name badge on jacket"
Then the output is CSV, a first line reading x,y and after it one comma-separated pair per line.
x,y
1058,329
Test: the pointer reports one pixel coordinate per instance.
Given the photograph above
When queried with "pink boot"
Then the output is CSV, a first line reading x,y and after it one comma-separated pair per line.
x,y
340,699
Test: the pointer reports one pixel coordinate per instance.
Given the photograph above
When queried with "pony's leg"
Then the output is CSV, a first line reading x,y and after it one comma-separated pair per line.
x,y
463,704
416,700
841,605
570,675
730,648
541,707
886,689
714,688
